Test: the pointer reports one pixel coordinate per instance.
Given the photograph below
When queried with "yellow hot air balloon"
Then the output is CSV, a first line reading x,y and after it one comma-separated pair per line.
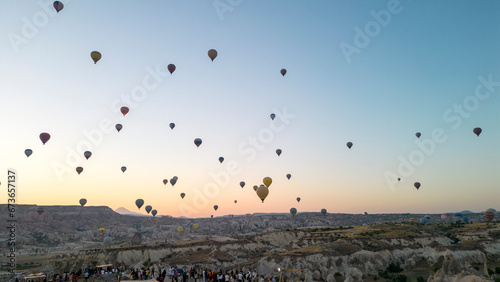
x,y
101,231
180,229
195,226
96,56
267,181
262,192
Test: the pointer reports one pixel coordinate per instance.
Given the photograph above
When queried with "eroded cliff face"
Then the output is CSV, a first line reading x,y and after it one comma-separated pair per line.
x,y
337,255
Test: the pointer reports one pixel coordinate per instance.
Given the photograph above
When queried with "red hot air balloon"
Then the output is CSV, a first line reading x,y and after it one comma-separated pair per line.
x,y
124,110
417,185
283,72
118,127
171,68
477,131
44,137
79,170
165,181
58,5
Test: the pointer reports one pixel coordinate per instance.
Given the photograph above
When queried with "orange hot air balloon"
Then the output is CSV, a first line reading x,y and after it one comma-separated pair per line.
x,y
212,54
118,127
165,181
477,131
283,72
171,68
124,110
79,170
417,185
44,137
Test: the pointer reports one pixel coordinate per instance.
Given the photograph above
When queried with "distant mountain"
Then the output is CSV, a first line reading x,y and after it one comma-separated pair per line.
x,y
466,211
122,210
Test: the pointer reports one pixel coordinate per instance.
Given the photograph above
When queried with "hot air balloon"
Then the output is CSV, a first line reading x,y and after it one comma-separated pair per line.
x,y
173,181
235,224
28,152
283,72
443,217
148,208
124,110
288,176
58,5
171,68
165,181
349,145
242,184
273,116
212,216
44,137
195,226
107,241
124,168
221,159
399,179
235,201
278,152
298,199
489,214
424,220
477,131
96,56
180,229
418,134
212,54
183,195
216,207
267,181
197,142
139,203
83,201
262,192
79,169
154,212
323,211
255,187
417,185
101,230
172,125
293,211
87,154
40,211
118,127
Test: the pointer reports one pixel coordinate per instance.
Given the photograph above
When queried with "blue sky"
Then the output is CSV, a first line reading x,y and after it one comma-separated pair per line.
x,y
417,69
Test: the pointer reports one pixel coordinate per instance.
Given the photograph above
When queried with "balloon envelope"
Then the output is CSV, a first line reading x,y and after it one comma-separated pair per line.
x,y
221,159
183,195
79,169
118,127
58,5
242,184
323,211
298,199
262,192
28,152
96,56
124,110
123,168
172,125
418,134
288,176
165,181
173,181
255,187
197,142
349,145
44,137
154,212
195,226
107,241
148,208
443,216
273,116
40,211
477,131
87,154
212,54
417,185
216,207
180,229
139,203
283,72
293,211
267,181
171,68
278,152
83,201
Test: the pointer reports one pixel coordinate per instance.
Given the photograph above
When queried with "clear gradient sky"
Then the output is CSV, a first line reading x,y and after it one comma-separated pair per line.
x,y
370,72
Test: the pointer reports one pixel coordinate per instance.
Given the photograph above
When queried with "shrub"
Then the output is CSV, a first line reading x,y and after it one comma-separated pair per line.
x,y
400,278
420,279
394,268
497,270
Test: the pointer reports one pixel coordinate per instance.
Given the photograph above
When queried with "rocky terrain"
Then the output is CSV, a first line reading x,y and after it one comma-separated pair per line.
x,y
335,247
